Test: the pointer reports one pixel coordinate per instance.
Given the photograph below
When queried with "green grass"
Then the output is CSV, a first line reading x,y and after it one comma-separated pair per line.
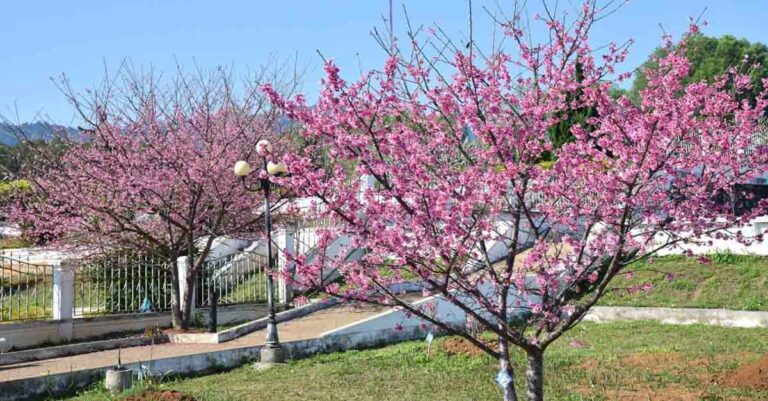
x,y
21,303
14,242
251,289
615,361
729,281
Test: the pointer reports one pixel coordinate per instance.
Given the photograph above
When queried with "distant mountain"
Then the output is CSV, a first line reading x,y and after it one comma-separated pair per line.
x,y
10,134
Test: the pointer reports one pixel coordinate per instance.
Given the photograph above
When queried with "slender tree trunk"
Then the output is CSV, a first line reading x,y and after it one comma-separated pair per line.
x,y
191,280
504,366
534,375
175,296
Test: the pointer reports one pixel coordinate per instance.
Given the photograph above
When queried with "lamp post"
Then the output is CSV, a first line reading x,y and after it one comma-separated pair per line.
x,y
272,352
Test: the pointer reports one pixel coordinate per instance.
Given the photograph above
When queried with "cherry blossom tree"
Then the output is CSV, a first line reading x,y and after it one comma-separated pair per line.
x,y
453,139
151,170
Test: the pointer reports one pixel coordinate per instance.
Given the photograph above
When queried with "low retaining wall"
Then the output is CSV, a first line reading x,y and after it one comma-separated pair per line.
x,y
199,363
37,333
714,317
38,354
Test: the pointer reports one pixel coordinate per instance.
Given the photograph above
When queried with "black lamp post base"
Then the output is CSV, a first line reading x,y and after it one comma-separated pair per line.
x,y
272,353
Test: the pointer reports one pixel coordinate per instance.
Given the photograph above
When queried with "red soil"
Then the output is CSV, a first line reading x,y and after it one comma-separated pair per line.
x,y
753,375
160,396
461,346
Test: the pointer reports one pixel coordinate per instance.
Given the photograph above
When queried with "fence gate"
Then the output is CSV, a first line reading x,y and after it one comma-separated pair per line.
x,y
26,290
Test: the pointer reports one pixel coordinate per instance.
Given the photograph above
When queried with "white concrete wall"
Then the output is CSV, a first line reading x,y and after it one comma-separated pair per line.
x,y
225,246
285,242
713,317
709,244
36,333
443,311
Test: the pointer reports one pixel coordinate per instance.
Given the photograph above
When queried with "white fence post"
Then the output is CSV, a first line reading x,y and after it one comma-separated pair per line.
x,y
64,297
367,181
285,239
183,269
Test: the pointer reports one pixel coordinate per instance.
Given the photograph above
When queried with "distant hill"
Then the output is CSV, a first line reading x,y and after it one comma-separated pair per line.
x,y
9,134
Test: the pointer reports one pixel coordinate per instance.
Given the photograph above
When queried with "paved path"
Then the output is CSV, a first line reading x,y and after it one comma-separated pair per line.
x,y
302,328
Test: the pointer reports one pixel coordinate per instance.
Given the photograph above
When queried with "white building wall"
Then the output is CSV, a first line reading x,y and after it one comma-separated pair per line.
x,y
709,244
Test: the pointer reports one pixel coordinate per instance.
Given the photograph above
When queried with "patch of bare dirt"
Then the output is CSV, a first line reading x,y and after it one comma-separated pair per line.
x,y
753,375
462,346
658,362
167,395
632,388
638,390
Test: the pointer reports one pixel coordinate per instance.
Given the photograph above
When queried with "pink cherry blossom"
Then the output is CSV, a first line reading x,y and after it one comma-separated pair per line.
x,y
151,172
455,145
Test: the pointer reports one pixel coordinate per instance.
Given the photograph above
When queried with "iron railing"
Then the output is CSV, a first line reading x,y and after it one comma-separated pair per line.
x,y
234,279
119,284
307,234
26,290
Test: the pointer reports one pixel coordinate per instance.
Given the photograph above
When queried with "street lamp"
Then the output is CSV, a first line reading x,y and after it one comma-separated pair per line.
x,y
272,352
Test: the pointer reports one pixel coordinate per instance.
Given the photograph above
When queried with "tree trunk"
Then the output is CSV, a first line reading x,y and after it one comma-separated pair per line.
x,y
191,280
504,366
175,296
534,375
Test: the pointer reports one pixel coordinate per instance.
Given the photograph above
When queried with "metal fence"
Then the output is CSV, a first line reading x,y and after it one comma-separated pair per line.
x,y
25,290
122,284
235,279
308,234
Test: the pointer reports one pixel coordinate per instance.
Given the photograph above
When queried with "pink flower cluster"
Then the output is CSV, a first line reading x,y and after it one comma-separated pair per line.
x,y
454,144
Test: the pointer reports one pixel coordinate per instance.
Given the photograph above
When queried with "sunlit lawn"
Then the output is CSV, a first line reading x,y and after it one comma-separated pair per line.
x,y
729,281
629,361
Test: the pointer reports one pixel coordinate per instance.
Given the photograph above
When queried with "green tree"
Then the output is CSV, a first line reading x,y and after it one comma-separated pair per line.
x,y
15,158
711,57
560,133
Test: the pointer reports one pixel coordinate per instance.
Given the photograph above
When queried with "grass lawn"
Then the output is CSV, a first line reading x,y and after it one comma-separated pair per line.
x,y
25,296
628,361
729,281
13,242
27,305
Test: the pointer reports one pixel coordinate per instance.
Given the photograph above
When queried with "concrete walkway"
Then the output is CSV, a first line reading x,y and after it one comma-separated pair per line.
x,y
306,327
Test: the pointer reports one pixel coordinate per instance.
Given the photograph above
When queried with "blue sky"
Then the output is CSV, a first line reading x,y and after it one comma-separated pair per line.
x,y
44,39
